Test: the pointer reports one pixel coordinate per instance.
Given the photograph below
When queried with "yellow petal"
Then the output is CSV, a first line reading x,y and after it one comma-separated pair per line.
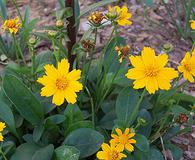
x,y
105,147
129,147
151,85
135,73
63,67
118,131
101,155
70,96
48,91
139,83
148,56
58,98
74,75
162,60
136,61
75,86
120,147
50,70
132,141
127,131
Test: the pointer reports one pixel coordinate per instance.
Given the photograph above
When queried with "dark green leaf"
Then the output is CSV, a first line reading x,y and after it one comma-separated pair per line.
x,y
57,118
107,122
25,151
23,99
155,154
45,153
67,153
7,116
125,104
142,143
37,132
86,140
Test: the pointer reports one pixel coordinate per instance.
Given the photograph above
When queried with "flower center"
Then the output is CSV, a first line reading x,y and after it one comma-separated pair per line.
x,y
188,67
61,83
114,155
151,71
123,139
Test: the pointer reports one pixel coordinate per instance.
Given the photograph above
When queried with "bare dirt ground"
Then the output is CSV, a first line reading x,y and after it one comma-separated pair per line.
x,y
141,33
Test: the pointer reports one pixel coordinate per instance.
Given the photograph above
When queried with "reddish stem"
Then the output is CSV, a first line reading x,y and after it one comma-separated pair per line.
x,y
71,32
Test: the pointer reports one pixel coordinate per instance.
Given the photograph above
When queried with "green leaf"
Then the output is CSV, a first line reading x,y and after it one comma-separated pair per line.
x,y
45,153
57,118
23,99
3,9
77,125
155,154
111,59
107,122
7,116
142,143
25,151
67,153
125,104
44,57
177,110
96,5
73,114
175,150
37,132
86,140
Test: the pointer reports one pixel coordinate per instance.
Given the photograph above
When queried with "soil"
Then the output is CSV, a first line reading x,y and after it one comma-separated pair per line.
x,y
142,33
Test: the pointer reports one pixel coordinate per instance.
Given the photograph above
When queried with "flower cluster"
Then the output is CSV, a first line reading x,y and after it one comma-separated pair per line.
x,y
118,144
13,25
2,127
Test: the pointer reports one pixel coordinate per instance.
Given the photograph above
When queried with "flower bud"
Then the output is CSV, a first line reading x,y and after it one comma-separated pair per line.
x,y
32,40
52,33
96,18
59,23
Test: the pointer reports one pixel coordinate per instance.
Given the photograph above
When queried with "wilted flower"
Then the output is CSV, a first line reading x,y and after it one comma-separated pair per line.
x,y
122,52
150,71
192,23
110,152
183,118
59,23
187,66
13,25
123,140
87,45
96,18
120,15
61,83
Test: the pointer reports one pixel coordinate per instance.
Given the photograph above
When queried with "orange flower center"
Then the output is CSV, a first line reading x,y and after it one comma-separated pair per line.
x,y
151,71
188,67
123,139
113,155
61,83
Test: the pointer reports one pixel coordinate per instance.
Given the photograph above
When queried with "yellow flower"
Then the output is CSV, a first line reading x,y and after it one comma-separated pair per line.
x,y
60,83
122,52
122,15
110,152
2,126
192,23
1,137
123,140
150,71
12,24
187,67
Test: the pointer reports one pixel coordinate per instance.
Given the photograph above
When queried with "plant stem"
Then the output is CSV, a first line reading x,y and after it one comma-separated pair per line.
x,y
54,50
136,109
2,153
18,49
163,147
92,107
71,31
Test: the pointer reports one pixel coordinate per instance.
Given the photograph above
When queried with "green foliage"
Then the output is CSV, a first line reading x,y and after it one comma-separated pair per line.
x,y
37,129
